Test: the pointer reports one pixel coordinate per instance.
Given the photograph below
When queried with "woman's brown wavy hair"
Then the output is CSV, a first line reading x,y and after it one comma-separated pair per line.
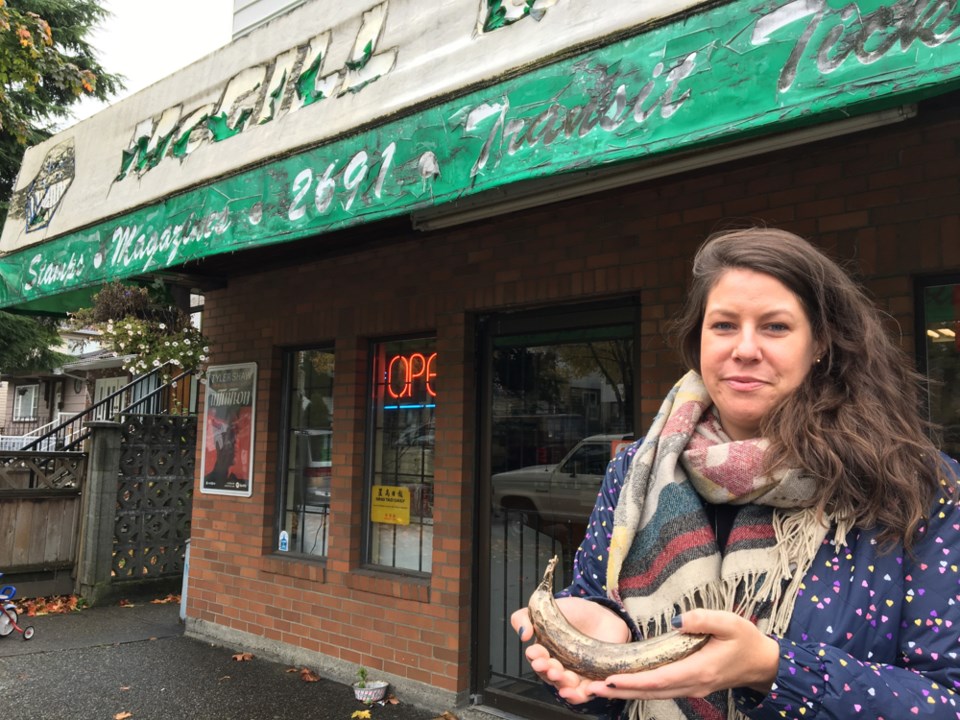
x,y
855,422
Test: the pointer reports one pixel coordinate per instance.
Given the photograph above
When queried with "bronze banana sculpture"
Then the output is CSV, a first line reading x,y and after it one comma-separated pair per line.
x,y
596,659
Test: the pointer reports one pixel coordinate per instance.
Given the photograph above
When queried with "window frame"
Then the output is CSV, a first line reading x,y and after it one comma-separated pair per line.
x,y
288,356
17,404
369,457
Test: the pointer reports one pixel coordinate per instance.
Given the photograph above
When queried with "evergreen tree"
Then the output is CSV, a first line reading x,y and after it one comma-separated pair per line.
x,y
26,343
46,65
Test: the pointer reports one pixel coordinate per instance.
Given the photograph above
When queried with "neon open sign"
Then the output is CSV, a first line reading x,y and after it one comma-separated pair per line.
x,y
404,370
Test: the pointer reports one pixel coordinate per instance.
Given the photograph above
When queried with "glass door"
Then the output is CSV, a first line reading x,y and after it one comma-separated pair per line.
x,y
557,401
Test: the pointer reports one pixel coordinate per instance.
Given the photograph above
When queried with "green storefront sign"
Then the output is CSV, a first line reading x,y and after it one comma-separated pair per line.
x,y
740,69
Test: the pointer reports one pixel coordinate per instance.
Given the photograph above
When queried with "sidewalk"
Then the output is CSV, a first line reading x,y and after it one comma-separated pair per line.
x,y
102,662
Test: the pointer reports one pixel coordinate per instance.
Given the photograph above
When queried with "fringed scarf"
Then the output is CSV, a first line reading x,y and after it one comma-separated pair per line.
x,y
664,557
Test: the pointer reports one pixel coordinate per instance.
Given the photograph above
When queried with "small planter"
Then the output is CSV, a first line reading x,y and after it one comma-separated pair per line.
x,y
372,692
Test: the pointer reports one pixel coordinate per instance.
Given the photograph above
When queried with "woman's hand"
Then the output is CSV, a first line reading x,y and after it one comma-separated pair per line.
x,y
737,655
589,618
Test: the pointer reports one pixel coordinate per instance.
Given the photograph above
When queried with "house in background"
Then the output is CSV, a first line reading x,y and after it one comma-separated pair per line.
x,y
36,401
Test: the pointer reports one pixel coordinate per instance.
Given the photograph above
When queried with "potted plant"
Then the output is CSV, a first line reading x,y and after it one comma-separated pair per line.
x,y
368,691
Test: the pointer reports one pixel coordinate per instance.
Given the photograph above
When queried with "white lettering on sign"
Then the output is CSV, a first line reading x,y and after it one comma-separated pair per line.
x,y
260,94
231,397
45,274
868,37
350,178
146,247
607,108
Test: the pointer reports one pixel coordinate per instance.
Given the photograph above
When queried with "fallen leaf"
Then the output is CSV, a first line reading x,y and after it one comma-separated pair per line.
x,y
308,675
362,714
243,657
446,715
293,669
124,687
122,715
168,600
392,699
50,605
125,603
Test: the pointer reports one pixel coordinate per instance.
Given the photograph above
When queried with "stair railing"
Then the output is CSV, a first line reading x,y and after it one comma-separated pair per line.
x,y
73,431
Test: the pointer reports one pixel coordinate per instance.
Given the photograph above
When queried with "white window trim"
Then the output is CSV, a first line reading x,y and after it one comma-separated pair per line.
x,y
18,402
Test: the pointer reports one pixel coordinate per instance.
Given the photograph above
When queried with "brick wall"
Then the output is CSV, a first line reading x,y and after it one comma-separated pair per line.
x,y
886,201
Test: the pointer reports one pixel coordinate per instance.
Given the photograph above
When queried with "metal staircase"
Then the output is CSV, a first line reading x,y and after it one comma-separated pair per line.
x,y
144,395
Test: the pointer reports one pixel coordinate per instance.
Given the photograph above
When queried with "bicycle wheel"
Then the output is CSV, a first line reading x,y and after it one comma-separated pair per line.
x,y
8,618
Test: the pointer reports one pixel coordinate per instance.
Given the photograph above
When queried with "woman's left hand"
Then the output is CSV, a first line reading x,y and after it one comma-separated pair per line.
x,y
737,655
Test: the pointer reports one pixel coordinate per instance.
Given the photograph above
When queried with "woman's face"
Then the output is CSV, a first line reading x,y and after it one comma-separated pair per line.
x,y
756,347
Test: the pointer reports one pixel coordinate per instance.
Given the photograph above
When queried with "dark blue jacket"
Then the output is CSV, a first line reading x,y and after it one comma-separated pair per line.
x,y
873,634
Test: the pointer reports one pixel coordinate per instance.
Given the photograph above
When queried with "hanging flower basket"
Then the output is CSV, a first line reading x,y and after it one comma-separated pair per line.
x,y
145,328
372,692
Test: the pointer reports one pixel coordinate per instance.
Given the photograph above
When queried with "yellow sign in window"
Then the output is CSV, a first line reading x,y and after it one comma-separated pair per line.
x,y
391,504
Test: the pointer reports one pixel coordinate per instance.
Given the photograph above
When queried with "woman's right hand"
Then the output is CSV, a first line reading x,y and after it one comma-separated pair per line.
x,y
588,617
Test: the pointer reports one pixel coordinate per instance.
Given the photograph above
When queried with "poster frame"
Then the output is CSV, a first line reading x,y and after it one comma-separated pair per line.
x,y
248,384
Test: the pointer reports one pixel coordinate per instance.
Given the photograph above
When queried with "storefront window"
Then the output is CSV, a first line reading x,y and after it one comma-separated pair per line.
x,y
941,324
399,508
307,440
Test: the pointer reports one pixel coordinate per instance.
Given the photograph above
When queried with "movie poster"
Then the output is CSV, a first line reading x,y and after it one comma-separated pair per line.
x,y
226,463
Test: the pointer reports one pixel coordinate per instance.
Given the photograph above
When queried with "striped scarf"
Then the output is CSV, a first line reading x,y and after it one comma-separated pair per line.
x,y
664,557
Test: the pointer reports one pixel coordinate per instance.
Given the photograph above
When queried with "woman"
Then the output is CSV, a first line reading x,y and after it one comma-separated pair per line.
x,y
787,502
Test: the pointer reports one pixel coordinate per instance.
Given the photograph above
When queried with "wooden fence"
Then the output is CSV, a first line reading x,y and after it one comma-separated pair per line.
x,y
39,510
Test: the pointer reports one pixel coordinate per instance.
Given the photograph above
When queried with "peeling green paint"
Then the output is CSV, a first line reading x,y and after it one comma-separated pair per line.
x,y
141,157
309,87
307,83
219,125
364,58
274,99
497,16
179,148
128,156
357,87
733,71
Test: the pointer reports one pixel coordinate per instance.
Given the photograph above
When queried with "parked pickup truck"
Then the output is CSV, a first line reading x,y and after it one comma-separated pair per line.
x,y
563,492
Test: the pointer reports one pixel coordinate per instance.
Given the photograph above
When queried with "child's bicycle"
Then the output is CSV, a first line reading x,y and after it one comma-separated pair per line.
x,y
8,614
